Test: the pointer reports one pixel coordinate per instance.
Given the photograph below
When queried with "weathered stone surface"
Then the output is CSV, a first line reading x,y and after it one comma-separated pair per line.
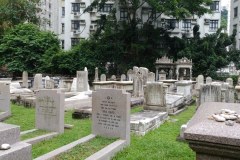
x,y
96,79
143,122
211,139
74,85
113,78
37,84
208,80
144,73
155,96
5,99
103,77
200,81
82,81
151,77
137,83
210,93
9,133
130,75
185,88
25,79
123,77
50,110
229,81
49,84
111,113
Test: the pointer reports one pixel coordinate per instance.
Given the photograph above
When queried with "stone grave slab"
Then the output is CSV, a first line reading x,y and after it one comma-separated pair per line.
x,y
175,103
5,110
50,110
210,139
143,122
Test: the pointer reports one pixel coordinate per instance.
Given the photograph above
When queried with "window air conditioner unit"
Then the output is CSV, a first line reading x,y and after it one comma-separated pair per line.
x,y
76,14
76,32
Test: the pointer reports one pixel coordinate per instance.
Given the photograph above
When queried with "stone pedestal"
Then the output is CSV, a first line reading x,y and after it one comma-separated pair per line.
x,y
10,134
213,140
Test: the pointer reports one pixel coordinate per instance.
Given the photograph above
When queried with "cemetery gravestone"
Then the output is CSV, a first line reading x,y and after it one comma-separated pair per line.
x,y
155,97
50,110
113,78
208,80
210,93
123,77
151,77
37,84
111,113
96,75
4,100
103,77
25,79
229,81
144,72
130,74
74,85
200,80
82,81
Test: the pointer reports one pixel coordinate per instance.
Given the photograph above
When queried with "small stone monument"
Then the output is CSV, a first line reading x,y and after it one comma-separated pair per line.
x,y
50,110
111,113
151,77
155,97
96,75
208,80
229,81
37,84
25,79
130,75
123,77
144,72
74,85
137,85
185,88
5,110
113,78
103,77
200,80
210,93
82,81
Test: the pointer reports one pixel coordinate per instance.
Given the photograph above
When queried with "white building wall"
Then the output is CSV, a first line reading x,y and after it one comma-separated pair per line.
x,y
234,20
67,33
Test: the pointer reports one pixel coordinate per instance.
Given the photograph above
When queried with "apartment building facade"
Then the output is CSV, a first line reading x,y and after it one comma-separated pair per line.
x,y
67,19
235,20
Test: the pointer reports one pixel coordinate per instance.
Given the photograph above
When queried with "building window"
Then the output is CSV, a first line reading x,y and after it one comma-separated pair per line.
x,y
123,14
213,25
106,8
172,23
75,24
75,7
63,11
214,6
50,6
186,24
75,41
235,12
83,5
62,44
63,28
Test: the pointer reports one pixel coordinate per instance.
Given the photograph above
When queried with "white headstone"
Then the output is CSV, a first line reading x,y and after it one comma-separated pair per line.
x,y
82,81
200,80
113,78
49,84
208,80
155,97
74,85
96,75
151,77
50,110
210,93
5,98
111,113
103,77
130,74
123,77
37,84
229,81
144,72
25,79
137,85
185,88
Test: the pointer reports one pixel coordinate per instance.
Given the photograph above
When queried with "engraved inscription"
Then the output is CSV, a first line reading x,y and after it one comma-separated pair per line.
x,y
107,116
46,106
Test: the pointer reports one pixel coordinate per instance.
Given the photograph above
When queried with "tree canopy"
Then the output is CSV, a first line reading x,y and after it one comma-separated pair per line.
x,y
26,48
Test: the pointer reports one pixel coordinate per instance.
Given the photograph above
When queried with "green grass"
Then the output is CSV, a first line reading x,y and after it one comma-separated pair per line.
x,y
33,134
24,117
161,143
85,150
136,109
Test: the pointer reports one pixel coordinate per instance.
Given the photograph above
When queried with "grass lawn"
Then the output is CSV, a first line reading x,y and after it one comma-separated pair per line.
x,y
159,144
